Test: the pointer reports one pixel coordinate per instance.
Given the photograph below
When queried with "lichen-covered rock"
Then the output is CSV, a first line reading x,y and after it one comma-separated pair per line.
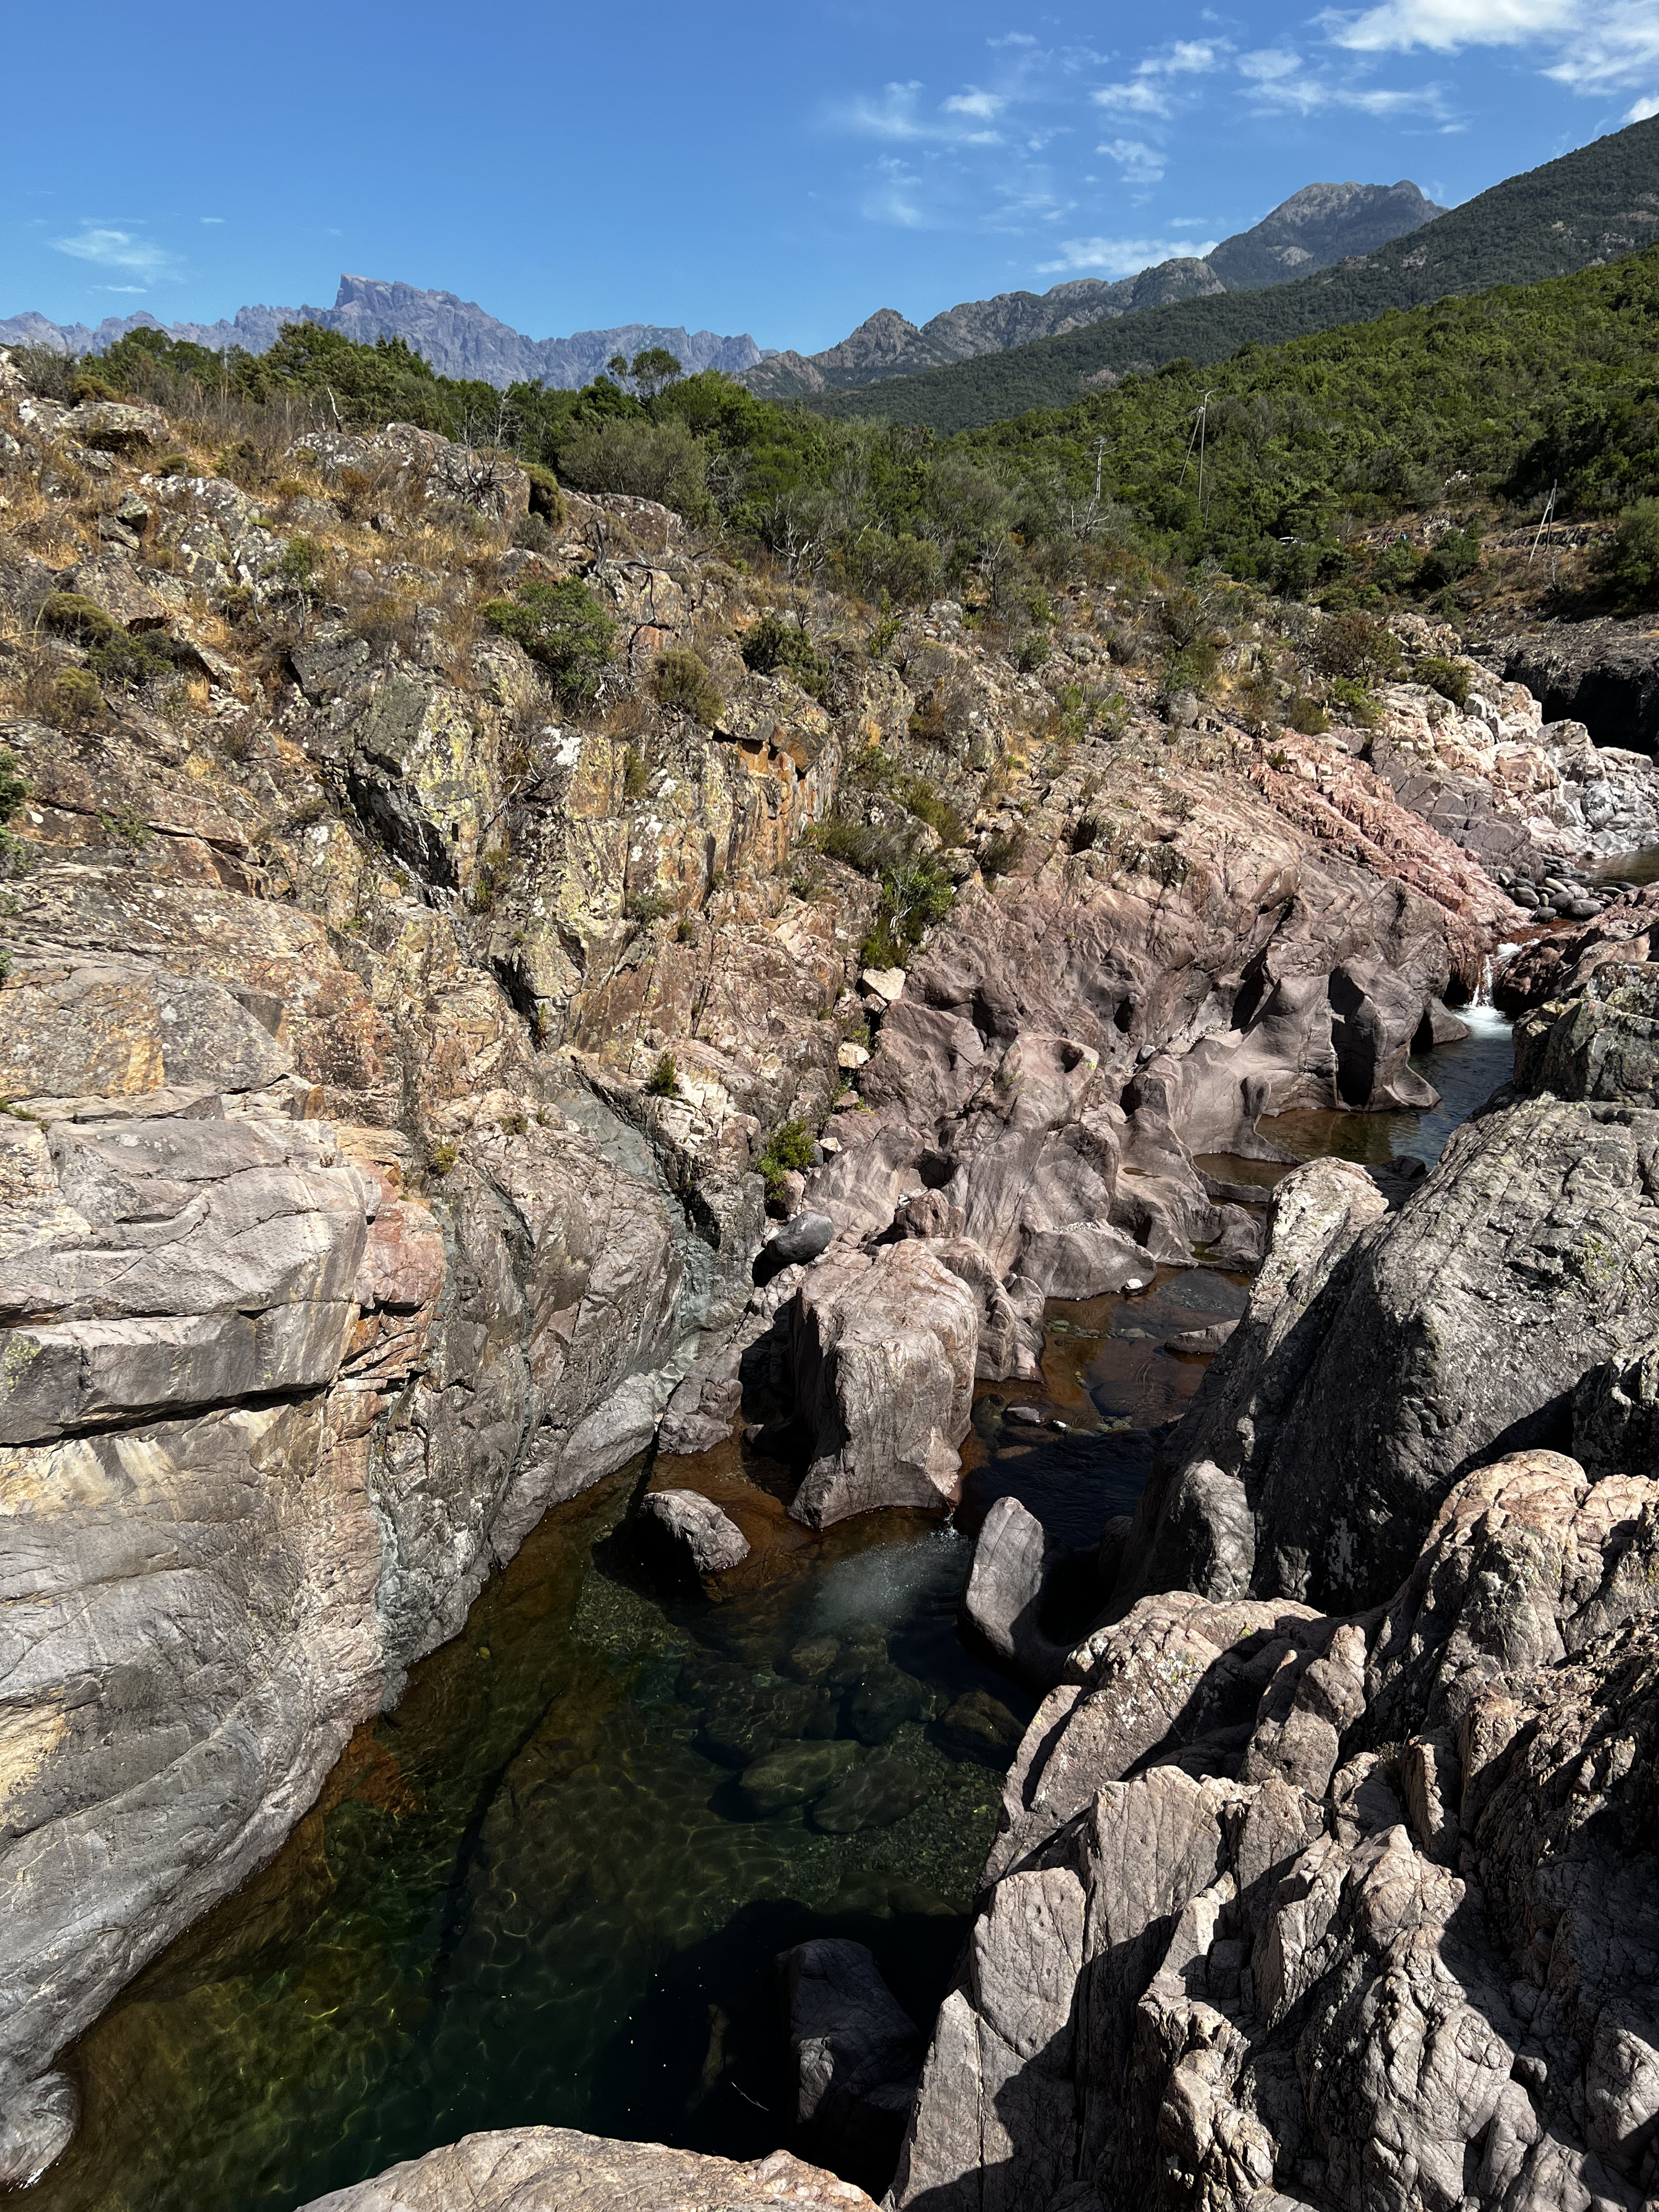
x,y
527,2169
1603,1042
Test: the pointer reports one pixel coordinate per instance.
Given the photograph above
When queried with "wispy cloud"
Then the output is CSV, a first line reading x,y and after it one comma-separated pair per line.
x,y
1595,45
121,288
1123,256
1140,164
1279,80
210,218
119,249
987,106
1639,110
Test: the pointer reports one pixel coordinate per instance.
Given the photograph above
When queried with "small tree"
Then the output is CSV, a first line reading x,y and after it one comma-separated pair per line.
x,y
563,627
683,683
1629,563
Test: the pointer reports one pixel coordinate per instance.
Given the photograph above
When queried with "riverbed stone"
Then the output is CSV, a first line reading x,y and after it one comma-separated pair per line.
x,y
873,1795
856,2051
793,1774
708,1540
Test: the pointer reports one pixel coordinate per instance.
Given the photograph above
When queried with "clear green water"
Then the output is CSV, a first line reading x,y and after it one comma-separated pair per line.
x,y
536,1893
533,1894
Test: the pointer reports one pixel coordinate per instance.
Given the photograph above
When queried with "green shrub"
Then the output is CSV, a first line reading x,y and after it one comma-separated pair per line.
x,y
1629,563
1355,646
1456,554
663,461
855,844
172,465
1034,650
442,1157
1307,716
773,644
788,1150
636,776
302,557
1002,855
73,699
545,499
915,892
647,906
1450,679
900,568
684,685
664,1078
562,626
70,614
1356,702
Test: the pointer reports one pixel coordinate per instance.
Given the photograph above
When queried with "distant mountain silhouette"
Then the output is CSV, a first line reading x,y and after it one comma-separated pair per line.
x,y
455,335
1315,227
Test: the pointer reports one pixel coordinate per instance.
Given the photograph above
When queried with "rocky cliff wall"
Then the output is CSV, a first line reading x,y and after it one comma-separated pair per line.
x,y
390,1049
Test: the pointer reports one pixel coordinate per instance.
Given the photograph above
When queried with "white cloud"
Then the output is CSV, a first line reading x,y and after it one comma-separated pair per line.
x,y
988,106
1269,64
1139,96
1124,257
121,288
1141,164
1597,45
892,199
1013,38
1187,57
1396,26
896,114
212,218
1639,110
119,249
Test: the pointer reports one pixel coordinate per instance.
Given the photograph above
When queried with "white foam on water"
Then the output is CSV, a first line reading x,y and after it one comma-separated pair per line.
x,y
889,1584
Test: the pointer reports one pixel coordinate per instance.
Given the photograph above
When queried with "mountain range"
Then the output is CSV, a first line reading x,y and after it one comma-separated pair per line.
x,y
1315,227
455,335
1589,206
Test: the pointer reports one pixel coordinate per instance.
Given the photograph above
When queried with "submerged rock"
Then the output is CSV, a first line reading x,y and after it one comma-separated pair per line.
x,y
856,2052
873,1795
795,1774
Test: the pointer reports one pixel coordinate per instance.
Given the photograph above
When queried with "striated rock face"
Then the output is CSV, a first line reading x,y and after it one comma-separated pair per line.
x,y
1293,1909
527,2169
886,1347
1604,674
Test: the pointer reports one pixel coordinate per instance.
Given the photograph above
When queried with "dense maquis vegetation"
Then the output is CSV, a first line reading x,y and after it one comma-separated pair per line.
x,y
1289,467
1590,206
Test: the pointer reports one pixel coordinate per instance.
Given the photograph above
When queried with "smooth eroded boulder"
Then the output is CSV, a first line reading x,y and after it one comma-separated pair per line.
x,y
884,1347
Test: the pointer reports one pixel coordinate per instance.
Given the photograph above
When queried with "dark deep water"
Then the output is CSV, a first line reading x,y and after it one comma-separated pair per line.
x,y
535,1894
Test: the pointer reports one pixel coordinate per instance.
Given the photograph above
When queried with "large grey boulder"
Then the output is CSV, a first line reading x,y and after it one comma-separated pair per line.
x,y
884,1351
856,2051
1600,1040
1372,1372
557,2170
1231,1954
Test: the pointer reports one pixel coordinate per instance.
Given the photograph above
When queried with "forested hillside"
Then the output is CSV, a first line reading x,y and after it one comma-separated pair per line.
x,y
1278,465
1594,205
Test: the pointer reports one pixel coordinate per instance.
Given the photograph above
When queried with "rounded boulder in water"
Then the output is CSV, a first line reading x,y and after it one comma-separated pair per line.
x,y
793,1774
872,1796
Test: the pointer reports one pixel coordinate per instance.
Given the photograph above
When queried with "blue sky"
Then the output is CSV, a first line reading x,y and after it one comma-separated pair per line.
x,y
780,169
